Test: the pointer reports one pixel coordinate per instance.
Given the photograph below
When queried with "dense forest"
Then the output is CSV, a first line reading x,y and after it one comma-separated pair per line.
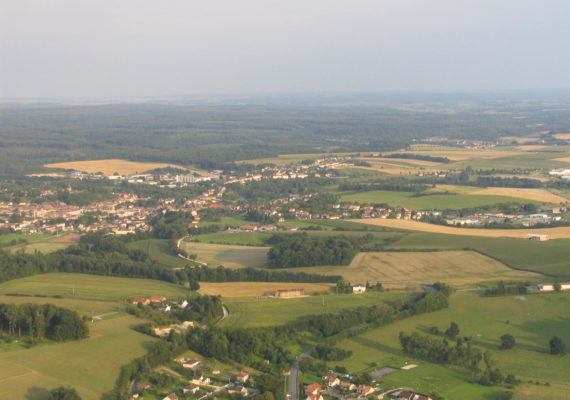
x,y
301,250
38,322
210,136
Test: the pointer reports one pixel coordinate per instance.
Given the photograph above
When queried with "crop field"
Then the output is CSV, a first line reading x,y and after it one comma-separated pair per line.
x,y
540,195
553,233
109,167
245,313
551,257
427,201
252,289
233,221
90,365
458,268
531,319
230,256
91,287
158,251
562,136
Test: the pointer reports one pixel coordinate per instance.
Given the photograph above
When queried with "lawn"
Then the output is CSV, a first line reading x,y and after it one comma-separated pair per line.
x,y
428,202
459,268
91,365
157,249
551,257
230,256
91,287
247,313
241,238
531,319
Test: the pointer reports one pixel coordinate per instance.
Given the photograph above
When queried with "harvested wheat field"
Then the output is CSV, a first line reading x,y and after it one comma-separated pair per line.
x,y
552,233
563,159
531,147
249,289
109,167
528,194
562,136
454,267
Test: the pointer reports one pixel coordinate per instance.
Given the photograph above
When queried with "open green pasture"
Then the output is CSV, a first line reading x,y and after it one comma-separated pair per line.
x,y
91,287
251,312
83,307
8,238
531,319
428,202
233,221
91,365
157,250
239,238
551,257
230,256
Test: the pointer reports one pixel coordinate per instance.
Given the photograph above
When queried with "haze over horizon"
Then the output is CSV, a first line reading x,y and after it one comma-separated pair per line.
x,y
79,48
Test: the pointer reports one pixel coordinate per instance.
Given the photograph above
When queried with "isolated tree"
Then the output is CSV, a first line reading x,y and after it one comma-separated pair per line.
x,y
557,286
507,342
557,346
63,393
452,331
194,285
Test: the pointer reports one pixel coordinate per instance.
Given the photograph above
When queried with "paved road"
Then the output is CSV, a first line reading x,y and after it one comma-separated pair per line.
x,y
294,376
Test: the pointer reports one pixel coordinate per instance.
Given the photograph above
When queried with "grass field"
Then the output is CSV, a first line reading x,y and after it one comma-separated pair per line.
x,y
158,251
250,289
91,365
553,233
83,307
427,202
540,195
91,287
272,312
230,256
109,167
7,239
233,221
458,268
532,321
241,238
551,257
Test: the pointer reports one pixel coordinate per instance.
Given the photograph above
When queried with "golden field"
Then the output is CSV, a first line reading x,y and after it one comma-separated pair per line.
x,y
553,233
109,167
249,289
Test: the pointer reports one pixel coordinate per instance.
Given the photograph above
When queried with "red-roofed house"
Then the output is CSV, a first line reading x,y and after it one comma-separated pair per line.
x,y
140,300
313,392
242,377
157,299
331,381
364,390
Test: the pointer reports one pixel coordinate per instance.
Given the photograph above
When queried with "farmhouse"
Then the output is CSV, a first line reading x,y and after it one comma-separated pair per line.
x,y
177,328
550,287
192,388
242,377
359,288
171,396
348,386
313,392
535,236
157,299
191,364
331,381
140,300
287,293
365,390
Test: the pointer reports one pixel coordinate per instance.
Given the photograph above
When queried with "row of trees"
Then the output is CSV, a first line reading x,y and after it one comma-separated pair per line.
x,y
38,322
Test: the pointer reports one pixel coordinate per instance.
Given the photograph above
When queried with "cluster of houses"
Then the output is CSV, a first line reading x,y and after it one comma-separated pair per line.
x,y
527,220
119,215
349,390
198,384
563,173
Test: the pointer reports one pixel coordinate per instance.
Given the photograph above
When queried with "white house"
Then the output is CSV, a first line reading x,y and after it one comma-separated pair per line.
x,y
359,288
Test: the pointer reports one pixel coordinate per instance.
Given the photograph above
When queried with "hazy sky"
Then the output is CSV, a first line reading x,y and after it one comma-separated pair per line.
x,y
62,48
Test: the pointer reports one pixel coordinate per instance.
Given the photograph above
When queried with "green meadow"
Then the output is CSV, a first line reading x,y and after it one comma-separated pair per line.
x,y
428,202
251,312
531,319
91,287
157,250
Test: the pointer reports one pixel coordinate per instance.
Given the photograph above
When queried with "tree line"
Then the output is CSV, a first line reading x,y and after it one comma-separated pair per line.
x,y
38,322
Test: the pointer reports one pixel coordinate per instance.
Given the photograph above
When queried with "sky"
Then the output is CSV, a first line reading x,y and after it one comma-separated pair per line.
x,y
106,48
